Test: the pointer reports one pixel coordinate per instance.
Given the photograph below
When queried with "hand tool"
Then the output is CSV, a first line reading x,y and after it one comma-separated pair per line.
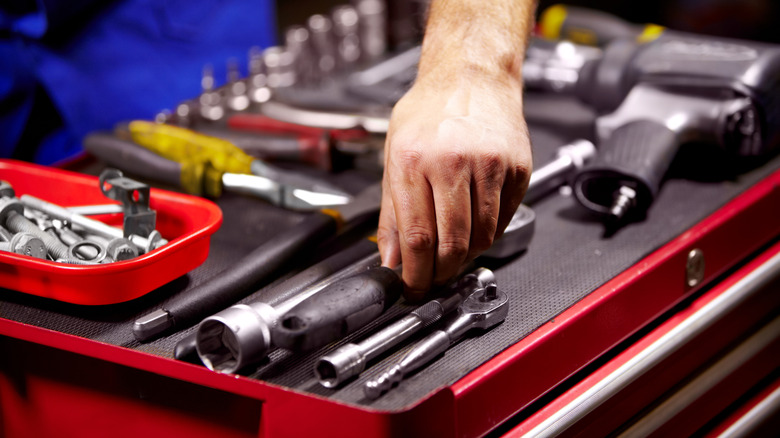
x,y
350,359
279,67
657,94
210,104
236,89
243,331
331,144
338,310
257,266
243,334
372,28
278,296
266,145
230,338
345,29
482,310
197,179
324,44
180,144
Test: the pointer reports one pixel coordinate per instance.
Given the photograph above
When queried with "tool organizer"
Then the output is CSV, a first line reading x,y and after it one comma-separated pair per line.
x,y
574,294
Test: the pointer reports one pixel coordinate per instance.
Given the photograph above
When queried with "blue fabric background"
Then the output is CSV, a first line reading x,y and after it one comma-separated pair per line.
x,y
99,62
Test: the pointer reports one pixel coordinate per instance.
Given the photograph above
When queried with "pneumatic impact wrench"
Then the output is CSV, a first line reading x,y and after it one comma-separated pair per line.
x,y
655,96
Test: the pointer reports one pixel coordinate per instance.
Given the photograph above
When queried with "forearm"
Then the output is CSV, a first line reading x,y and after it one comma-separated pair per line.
x,y
468,39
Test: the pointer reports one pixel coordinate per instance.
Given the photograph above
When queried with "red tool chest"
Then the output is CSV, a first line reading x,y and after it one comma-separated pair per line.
x,y
60,376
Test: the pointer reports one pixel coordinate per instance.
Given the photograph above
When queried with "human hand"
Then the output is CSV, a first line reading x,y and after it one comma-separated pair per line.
x,y
457,164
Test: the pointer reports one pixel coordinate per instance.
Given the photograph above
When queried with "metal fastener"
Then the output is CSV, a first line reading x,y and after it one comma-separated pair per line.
x,y
12,216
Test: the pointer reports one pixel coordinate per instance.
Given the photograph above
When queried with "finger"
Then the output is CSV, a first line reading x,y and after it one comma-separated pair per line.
x,y
452,200
387,232
486,205
511,196
415,218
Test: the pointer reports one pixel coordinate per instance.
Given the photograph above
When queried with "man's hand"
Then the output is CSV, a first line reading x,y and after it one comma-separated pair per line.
x,y
457,164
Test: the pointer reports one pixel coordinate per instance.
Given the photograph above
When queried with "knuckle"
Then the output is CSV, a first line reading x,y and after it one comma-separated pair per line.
x,y
419,239
453,161
453,247
410,159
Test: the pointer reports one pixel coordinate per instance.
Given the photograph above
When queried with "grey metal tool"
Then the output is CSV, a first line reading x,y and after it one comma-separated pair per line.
x,y
350,359
242,334
483,309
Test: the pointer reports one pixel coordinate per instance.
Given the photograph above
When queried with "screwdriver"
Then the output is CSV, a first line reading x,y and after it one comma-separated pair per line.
x,y
198,178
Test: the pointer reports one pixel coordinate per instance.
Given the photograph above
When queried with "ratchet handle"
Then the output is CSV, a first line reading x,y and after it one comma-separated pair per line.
x,y
253,269
338,310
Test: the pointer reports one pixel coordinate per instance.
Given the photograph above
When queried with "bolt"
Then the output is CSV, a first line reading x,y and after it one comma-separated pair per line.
x,y
72,261
25,244
96,227
12,216
5,234
121,249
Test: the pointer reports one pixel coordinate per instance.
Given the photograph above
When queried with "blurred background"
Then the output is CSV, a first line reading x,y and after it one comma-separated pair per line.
x,y
68,67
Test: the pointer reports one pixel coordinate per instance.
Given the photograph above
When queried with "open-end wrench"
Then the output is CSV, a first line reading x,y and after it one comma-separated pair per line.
x,y
483,309
350,359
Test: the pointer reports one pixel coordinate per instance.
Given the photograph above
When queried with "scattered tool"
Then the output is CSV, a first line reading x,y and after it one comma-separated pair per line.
x,y
197,179
271,300
187,146
482,310
338,310
230,339
350,359
259,265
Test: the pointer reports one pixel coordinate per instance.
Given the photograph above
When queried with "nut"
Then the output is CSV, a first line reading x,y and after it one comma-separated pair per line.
x,y
121,249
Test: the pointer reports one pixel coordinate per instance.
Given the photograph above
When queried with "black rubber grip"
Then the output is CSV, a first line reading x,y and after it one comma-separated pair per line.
x,y
132,158
338,310
251,271
637,155
186,348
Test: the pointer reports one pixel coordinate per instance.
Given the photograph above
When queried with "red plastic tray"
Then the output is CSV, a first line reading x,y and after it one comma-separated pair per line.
x,y
187,222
